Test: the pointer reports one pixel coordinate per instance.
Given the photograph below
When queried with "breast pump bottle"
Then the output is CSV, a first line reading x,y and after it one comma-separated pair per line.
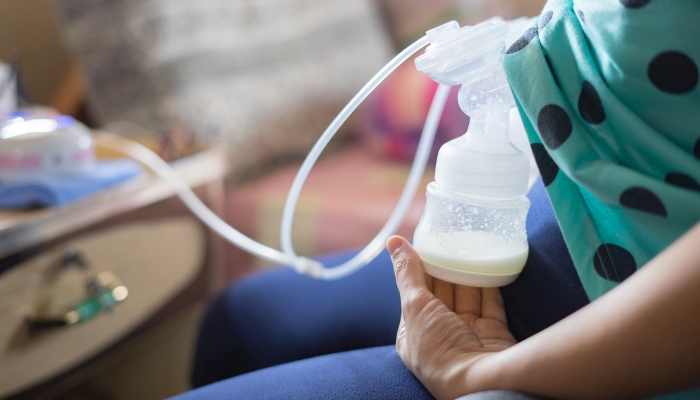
x,y
472,231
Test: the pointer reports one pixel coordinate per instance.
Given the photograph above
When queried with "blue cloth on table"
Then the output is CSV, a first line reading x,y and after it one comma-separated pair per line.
x,y
57,189
279,317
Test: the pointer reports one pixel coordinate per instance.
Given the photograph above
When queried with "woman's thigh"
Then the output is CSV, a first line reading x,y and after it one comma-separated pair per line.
x,y
376,373
280,316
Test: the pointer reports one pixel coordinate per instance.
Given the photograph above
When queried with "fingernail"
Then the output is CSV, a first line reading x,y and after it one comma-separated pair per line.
x,y
393,244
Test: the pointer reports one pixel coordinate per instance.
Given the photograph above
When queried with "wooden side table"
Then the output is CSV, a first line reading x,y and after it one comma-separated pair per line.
x,y
137,230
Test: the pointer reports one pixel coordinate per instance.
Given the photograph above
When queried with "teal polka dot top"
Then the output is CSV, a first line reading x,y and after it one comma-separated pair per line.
x,y
608,92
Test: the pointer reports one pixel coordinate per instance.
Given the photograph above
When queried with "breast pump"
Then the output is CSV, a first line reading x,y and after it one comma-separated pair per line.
x,y
473,229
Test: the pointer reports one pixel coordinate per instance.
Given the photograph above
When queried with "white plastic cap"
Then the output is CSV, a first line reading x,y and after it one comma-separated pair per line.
x,y
459,55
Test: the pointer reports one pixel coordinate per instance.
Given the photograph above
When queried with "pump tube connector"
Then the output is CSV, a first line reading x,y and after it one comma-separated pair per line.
x,y
471,56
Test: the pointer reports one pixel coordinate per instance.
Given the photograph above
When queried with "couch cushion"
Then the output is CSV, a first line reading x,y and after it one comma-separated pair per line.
x,y
267,76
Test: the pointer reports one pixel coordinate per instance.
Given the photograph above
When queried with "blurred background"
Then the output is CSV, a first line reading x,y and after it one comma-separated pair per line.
x,y
260,79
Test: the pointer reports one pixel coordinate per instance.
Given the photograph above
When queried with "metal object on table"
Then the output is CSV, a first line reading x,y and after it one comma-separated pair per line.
x,y
121,229
103,291
154,274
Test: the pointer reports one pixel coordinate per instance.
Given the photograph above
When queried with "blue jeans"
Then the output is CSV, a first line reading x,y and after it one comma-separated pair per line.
x,y
283,335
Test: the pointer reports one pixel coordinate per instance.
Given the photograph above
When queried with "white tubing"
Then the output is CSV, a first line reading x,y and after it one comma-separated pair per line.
x,y
289,257
376,246
293,196
168,174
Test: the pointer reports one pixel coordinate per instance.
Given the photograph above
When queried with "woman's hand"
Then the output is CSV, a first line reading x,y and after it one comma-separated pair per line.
x,y
639,340
445,329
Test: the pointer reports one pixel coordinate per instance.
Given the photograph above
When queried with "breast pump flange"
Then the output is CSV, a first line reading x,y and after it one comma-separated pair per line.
x,y
472,231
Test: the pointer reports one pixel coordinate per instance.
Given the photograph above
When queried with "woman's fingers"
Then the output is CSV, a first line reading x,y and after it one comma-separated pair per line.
x,y
410,277
445,292
468,300
492,305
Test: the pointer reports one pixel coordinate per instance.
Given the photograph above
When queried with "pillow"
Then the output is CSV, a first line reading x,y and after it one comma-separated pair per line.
x,y
265,77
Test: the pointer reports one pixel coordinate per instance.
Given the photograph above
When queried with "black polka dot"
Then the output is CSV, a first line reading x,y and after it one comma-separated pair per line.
x,y
614,263
551,69
548,168
554,125
634,3
696,149
523,41
673,72
582,16
682,180
544,19
643,200
589,105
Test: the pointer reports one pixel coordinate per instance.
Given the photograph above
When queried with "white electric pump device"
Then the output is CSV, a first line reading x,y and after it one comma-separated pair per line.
x,y
473,229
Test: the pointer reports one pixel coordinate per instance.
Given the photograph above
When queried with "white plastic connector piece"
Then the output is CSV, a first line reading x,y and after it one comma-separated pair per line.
x,y
307,266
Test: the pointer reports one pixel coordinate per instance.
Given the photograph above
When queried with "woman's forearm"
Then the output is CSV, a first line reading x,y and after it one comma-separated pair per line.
x,y
640,339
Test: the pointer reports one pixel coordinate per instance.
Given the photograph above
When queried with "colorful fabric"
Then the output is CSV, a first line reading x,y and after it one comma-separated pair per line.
x,y
391,121
345,202
608,92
